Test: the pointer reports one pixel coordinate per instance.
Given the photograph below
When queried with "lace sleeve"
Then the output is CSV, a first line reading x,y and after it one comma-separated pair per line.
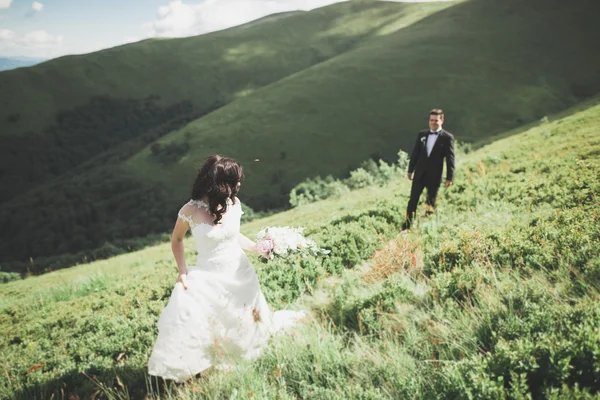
x,y
187,219
186,213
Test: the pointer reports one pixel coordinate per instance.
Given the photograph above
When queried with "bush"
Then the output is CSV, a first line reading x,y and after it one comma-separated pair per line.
x,y
403,161
360,178
315,189
369,173
365,311
284,280
6,277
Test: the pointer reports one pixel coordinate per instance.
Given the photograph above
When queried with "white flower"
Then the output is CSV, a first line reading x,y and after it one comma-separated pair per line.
x,y
288,240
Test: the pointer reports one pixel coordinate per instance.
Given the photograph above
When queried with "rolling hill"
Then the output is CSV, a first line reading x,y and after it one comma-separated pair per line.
x,y
497,296
491,65
108,105
75,107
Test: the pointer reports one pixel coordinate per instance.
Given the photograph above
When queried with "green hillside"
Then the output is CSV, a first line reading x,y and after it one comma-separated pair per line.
x,y
71,175
205,68
496,296
492,65
60,113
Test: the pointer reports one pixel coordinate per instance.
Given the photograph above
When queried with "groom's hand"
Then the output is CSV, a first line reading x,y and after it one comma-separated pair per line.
x,y
410,176
448,183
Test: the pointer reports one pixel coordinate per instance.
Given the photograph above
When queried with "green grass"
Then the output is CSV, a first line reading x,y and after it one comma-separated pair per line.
x,y
306,93
496,296
492,66
106,106
215,66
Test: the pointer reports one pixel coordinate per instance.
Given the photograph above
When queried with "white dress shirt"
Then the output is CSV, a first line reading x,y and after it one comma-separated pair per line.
x,y
431,138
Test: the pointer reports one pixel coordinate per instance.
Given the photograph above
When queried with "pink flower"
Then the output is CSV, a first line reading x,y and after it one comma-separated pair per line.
x,y
265,246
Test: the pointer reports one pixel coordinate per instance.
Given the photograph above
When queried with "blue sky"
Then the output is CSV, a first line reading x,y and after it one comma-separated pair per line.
x,y
69,26
52,28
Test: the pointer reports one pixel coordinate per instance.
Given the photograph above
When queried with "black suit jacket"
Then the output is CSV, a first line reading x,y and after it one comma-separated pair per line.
x,y
430,168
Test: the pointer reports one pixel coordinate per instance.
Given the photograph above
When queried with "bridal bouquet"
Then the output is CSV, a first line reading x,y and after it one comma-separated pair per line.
x,y
283,241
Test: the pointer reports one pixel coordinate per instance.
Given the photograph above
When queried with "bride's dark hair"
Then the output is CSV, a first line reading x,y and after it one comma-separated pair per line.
x,y
217,180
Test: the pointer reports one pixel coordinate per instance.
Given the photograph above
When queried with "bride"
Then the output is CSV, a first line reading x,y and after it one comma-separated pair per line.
x,y
217,313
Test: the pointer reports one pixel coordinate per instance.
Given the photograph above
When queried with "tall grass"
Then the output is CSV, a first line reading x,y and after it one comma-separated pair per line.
x,y
494,297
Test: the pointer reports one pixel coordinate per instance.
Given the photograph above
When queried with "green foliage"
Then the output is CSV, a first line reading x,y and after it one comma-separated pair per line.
x,y
315,189
285,280
531,345
236,86
169,153
251,215
403,161
351,240
369,174
96,202
374,98
366,312
498,299
462,148
78,135
94,283
354,237
6,277
360,178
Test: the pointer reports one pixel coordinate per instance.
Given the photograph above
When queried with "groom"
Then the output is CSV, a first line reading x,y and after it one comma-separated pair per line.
x,y
432,146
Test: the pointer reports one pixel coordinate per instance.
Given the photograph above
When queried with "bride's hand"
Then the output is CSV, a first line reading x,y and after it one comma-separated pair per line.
x,y
262,251
264,248
265,255
182,278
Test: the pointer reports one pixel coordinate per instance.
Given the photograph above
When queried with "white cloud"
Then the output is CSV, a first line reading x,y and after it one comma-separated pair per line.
x,y
35,44
182,19
6,35
37,6
178,18
132,39
40,39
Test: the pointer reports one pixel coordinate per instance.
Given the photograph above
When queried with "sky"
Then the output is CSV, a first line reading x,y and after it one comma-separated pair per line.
x,y
52,28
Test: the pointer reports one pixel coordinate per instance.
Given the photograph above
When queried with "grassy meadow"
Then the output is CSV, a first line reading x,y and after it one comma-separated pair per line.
x,y
305,93
492,66
68,126
494,297
222,65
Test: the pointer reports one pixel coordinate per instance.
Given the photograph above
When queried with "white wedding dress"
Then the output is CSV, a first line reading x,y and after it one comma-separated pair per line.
x,y
222,317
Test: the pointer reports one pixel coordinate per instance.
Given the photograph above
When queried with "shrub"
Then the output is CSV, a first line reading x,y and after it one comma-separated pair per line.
x,y
6,277
315,189
360,178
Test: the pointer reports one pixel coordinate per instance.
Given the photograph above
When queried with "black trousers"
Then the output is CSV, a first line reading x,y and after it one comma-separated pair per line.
x,y
415,194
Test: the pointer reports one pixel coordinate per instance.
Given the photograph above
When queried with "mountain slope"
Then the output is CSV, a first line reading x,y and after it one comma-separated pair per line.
x,y
202,68
495,296
76,107
70,177
491,65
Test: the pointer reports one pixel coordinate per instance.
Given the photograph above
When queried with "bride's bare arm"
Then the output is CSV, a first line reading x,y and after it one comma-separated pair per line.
x,y
247,244
178,250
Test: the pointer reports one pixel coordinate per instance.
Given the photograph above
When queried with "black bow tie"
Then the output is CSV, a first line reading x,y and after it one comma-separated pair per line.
x,y
434,133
